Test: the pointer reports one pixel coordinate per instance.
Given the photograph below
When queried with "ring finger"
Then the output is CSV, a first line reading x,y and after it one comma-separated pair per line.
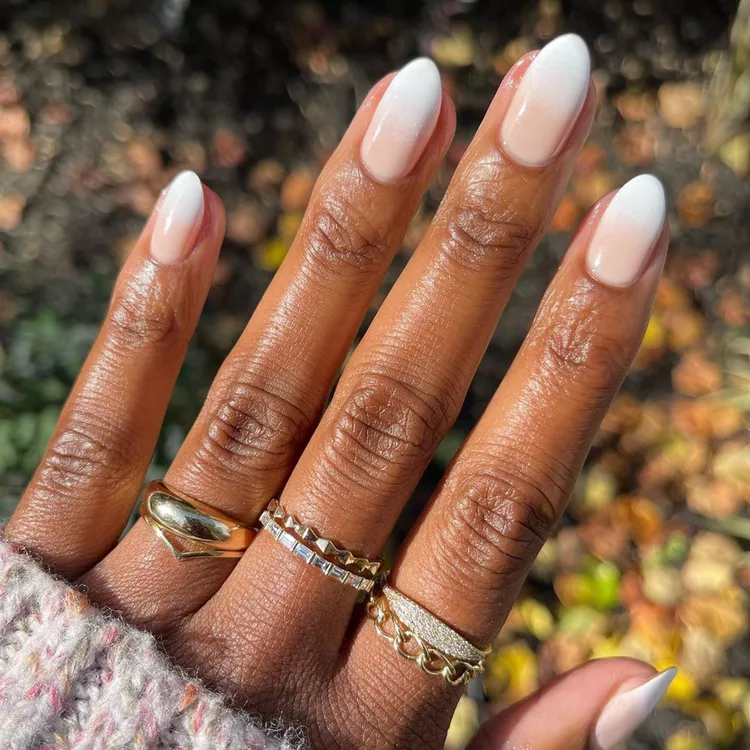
x,y
82,494
267,396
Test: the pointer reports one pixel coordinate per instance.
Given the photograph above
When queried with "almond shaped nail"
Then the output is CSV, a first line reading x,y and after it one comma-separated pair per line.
x,y
547,102
179,215
624,238
626,711
403,122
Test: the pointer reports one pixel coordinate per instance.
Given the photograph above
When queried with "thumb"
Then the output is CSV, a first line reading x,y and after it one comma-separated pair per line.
x,y
596,705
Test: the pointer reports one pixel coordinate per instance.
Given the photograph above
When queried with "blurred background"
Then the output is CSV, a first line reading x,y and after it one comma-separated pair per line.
x,y
103,101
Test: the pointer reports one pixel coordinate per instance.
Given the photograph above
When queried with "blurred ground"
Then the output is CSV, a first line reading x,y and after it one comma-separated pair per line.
x,y
102,102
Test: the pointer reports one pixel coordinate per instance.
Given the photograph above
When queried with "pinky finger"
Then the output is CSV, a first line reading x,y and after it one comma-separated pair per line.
x,y
82,494
595,706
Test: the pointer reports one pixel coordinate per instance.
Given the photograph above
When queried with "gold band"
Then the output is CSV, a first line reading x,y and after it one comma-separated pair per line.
x,y
311,557
344,558
419,636
213,533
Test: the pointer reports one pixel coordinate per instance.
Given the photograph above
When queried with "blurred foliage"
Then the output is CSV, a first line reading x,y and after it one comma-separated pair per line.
x,y
729,91
37,365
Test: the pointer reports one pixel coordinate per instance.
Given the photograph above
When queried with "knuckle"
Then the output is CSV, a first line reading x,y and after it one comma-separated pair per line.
x,y
386,429
482,230
498,519
341,239
83,455
142,315
253,431
581,346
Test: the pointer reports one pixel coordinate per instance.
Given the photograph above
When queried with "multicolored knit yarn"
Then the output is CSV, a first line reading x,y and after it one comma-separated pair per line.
x,y
73,677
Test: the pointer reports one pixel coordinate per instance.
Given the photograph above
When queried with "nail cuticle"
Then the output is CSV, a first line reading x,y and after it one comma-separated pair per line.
x,y
179,214
547,102
624,241
403,122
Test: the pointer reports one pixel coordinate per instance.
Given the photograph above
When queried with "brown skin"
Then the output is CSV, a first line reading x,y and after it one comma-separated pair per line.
x,y
269,630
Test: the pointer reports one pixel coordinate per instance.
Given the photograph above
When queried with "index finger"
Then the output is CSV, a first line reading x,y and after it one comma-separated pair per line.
x,y
471,550
510,482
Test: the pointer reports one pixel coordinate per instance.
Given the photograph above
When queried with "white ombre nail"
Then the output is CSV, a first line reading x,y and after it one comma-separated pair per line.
x,y
623,240
180,214
627,711
403,121
547,102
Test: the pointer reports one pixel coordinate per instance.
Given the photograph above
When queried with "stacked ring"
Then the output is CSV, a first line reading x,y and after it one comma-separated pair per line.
x,y
303,542
173,517
419,636
344,558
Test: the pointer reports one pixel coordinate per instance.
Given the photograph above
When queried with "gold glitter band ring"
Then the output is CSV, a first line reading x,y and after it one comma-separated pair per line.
x,y
174,517
311,557
419,636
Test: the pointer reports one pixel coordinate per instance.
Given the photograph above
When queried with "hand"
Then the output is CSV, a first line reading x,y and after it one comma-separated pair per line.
x,y
275,633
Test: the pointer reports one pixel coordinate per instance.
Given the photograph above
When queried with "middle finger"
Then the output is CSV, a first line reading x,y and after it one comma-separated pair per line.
x,y
404,385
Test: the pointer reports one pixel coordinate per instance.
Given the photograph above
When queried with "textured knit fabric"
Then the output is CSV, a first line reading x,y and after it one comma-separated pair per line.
x,y
72,676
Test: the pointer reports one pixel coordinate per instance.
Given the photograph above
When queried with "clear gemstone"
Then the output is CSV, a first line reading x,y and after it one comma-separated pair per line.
x,y
321,563
355,581
306,554
339,574
288,540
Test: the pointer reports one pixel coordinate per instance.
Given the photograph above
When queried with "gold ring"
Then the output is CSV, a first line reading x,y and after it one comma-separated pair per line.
x,y
213,533
370,568
311,557
419,636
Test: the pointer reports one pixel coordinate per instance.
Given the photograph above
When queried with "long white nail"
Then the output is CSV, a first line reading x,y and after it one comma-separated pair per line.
x,y
626,711
403,121
547,102
180,214
624,238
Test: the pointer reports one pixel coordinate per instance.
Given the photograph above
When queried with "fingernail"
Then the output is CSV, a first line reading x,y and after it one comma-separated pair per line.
x,y
621,246
403,122
180,214
547,102
627,711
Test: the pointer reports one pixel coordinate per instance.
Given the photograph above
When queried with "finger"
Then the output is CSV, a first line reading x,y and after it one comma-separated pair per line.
x,y
511,479
83,491
404,384
595,706
268,394
506,488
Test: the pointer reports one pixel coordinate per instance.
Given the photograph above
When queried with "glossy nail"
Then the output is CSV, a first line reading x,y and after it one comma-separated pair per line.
x,y
403,121
179,215
547,102
628,710
623,240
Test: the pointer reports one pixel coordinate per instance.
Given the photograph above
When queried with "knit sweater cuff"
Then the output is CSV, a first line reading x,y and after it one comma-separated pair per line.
x,y
74,676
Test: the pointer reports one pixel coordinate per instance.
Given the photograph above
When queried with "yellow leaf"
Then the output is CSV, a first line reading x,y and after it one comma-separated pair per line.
x,y
686,739
514,667
463,725
684,687
537,618
655,335
732,691
716,718
454,51
272,254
